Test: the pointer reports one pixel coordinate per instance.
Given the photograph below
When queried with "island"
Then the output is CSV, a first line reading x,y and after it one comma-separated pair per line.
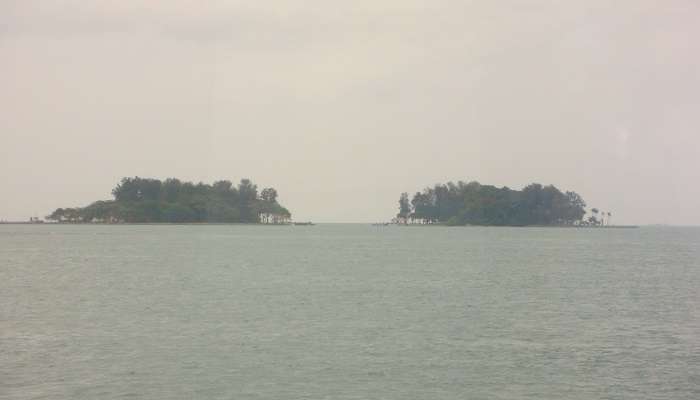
x,y
144,200
472,203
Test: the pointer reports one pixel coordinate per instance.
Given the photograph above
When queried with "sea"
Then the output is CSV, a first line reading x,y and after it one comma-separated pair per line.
x,y
348,311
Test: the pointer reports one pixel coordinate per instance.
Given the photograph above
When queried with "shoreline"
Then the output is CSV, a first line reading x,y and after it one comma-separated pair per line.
x,y
292,224
526,226
136,223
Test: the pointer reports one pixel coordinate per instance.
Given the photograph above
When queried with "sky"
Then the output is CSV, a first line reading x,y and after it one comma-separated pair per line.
x,y
341,106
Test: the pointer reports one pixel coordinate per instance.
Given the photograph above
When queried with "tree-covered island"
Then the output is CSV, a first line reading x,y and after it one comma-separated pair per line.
x,y
476,204
141,200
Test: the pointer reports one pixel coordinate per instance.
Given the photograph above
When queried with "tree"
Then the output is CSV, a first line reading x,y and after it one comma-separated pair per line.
x,y
404,208
151,200
269,195
171,190
423,206
127,190
268,209
248,194
476,204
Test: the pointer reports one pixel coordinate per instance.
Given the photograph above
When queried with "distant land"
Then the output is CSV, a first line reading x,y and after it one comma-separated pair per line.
x,y
152,201
476,204
143,200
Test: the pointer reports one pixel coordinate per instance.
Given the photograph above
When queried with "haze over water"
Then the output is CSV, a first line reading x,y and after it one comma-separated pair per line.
x,y
342,106
348,312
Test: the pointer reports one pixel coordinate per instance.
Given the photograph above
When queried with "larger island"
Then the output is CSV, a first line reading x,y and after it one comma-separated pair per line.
x,y
476,204
143,200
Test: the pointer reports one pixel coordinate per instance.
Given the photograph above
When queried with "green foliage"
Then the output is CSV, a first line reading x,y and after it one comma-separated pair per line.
x,y
404,207
178,213
475,204
139,200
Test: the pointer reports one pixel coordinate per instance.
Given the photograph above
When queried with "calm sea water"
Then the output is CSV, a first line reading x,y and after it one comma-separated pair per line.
x,y
348,312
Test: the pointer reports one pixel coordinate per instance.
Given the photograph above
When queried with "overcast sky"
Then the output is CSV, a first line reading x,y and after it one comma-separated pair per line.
x,y
343,105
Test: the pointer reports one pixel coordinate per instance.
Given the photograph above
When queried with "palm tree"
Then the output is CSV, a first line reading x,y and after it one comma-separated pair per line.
x,y
609,215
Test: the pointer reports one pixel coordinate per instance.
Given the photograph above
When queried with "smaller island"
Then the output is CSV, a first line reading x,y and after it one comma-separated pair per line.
x,y
472,203
144,200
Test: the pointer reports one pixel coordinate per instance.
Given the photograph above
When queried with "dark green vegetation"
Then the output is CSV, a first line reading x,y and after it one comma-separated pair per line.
x,y
476,204
139,200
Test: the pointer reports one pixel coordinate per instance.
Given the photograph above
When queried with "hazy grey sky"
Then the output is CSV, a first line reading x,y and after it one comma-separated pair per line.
x,y
343,105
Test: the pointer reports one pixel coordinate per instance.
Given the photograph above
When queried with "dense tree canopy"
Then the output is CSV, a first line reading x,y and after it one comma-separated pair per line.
x,y
140,200
476,204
